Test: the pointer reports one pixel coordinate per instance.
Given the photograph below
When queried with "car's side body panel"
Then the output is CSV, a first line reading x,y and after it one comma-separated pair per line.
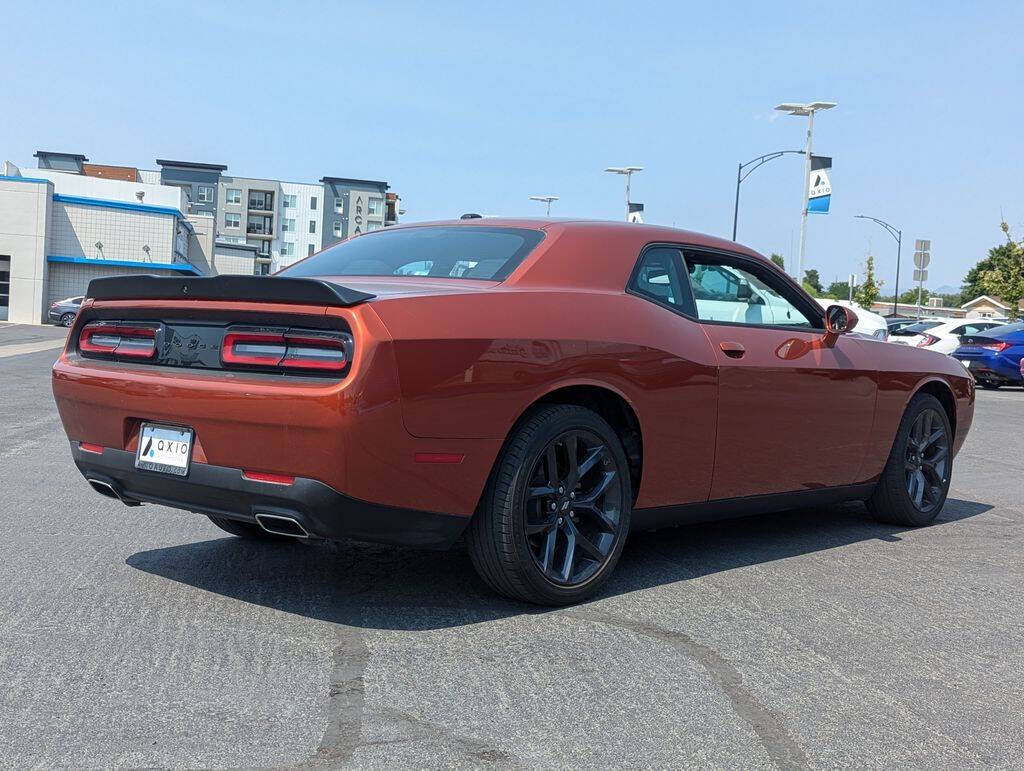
x,y
470,366
795,411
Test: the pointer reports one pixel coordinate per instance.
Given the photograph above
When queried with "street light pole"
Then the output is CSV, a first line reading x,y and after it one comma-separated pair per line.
x,y
898,235
793,108
545,199
628,171
740,176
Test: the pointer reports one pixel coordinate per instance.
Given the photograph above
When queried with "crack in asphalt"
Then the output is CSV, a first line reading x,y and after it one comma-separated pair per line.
x,y
782,749
345,698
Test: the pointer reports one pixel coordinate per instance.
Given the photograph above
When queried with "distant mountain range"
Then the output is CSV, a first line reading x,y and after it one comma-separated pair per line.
x,y
946,289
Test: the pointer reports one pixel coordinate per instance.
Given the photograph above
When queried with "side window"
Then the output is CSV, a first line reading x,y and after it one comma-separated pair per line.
x,y
658,277
735,292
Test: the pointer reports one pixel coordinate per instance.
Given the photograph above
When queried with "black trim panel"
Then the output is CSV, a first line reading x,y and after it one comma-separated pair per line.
x,y
223,492
731,508
259,288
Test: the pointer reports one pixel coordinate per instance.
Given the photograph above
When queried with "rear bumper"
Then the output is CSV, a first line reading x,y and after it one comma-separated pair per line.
x,y
993,369
223,492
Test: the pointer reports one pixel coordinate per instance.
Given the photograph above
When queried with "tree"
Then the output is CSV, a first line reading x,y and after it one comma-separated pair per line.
x,y
973,283
810,289
910,296
839,290
777,259
869,289
1004,276
811,277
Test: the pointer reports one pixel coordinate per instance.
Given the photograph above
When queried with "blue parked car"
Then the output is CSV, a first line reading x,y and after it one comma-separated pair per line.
x,y
994,357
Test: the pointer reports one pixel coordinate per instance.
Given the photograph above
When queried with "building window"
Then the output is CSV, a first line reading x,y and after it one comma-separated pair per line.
x,y
339,205
337,228
312,226
288,201
373,205
312,202
309,249
234,195
232,220
205,194
261,200
372,226
287,248
287,225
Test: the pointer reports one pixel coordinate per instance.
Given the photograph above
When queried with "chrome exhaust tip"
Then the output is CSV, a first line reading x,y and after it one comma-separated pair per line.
x,y
281,525
107,490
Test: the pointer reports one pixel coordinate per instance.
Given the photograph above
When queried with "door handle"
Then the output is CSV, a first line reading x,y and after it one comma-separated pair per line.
x,y
732,350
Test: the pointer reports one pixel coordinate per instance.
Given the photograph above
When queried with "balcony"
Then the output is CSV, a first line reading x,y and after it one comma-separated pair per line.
x,y
261,202
259,231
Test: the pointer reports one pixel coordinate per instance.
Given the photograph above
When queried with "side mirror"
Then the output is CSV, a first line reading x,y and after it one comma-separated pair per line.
x,y
839,320
744,292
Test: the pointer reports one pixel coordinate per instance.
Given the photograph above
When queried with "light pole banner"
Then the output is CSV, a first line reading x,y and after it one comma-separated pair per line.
x,y
819,185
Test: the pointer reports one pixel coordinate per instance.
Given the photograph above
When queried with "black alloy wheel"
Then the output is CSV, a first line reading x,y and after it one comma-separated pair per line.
x,y
915,481
927,461
573,508
553,520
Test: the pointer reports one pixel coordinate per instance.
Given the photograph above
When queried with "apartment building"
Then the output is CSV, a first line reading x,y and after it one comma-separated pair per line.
x,y
355,206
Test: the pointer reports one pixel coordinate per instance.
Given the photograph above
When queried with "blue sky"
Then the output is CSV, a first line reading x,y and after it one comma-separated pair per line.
x,y
476,106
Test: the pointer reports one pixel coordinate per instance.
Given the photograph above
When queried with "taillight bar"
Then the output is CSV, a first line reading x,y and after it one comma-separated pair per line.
x,y
286,349
130,340
927,340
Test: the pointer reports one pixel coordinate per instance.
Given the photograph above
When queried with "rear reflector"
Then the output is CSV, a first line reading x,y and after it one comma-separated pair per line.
x,y
286,349
439,457
271,479
134,341
87,447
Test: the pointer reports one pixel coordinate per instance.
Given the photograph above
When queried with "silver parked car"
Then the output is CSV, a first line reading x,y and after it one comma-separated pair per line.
x,y
63,312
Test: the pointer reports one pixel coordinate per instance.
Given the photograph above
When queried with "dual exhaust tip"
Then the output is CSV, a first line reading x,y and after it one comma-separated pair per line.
x,y
276,524
279,524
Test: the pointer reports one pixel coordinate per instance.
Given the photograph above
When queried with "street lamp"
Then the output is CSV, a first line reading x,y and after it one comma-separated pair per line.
x,y
898,235
545,199
740,176
628,171
794,108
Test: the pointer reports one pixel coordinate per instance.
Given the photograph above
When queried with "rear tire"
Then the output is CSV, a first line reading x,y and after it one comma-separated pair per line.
x,y
555,514
913,487
67,319
990,386
245,529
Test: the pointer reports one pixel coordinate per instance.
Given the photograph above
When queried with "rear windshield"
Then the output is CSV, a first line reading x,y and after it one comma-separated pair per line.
x,y
915,329
1006,329
438,252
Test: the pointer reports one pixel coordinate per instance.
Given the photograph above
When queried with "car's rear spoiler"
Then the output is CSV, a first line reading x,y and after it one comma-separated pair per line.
x,y
258,288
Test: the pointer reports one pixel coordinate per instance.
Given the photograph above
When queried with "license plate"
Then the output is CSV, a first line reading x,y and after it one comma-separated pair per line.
x,y
166,449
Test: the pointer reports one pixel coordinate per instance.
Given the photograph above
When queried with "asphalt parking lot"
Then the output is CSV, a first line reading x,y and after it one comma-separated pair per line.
x,y
147,638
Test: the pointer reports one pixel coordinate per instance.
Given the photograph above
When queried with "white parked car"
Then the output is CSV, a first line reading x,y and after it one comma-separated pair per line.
x,y
869,324
942,336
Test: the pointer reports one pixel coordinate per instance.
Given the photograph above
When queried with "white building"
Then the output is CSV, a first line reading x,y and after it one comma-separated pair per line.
x,y
61,228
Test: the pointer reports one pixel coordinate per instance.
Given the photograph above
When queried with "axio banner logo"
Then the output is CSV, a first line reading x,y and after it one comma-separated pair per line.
x,y
819,194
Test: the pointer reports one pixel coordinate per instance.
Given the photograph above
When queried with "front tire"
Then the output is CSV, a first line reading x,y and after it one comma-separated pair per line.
x,y
913,487
555,514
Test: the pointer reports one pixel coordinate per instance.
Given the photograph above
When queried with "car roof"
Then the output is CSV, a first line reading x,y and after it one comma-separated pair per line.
x,y
592,254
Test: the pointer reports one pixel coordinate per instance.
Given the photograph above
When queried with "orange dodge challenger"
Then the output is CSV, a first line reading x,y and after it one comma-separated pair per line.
x,y
542,386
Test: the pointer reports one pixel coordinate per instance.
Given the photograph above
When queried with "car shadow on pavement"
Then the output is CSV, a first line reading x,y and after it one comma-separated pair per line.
x,y
384,587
